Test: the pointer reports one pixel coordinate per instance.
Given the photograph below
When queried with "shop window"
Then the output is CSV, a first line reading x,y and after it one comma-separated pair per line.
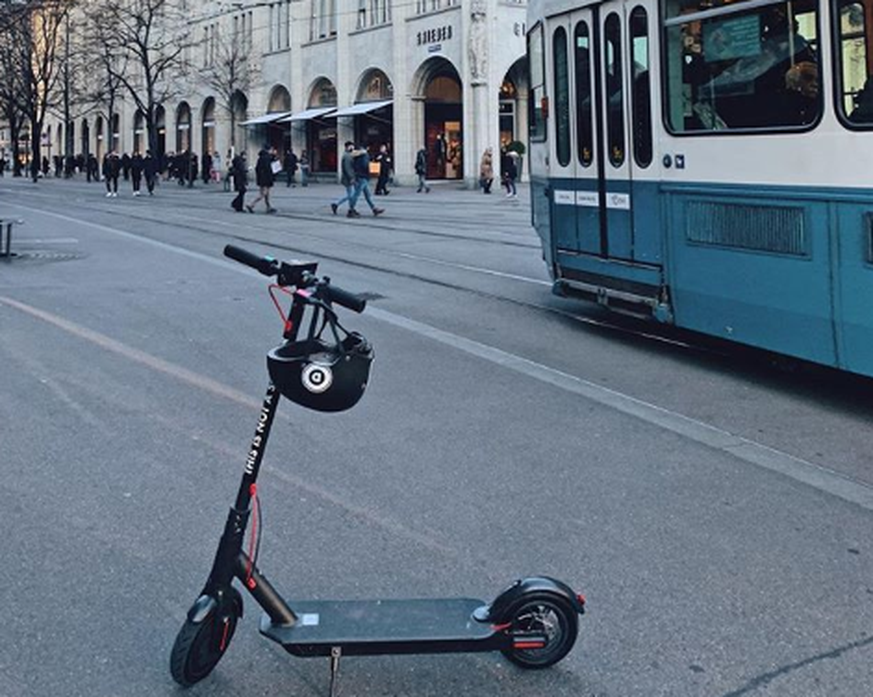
x,y
614,89
743,66
537,104
562,96
584,120
855,72
641,107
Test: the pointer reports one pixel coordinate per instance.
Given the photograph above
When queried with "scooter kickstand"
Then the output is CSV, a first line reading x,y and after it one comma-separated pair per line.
x,y
336,653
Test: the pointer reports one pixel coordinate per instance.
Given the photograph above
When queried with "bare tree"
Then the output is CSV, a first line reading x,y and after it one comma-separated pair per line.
x,y
228,73
147,43
34,34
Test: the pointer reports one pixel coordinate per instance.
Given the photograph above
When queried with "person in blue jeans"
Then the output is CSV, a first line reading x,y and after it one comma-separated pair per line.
x,y
362,183
347,179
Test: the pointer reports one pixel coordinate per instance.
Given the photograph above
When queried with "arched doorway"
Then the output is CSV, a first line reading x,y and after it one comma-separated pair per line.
x,y
85,139
321,137
239,106
99,146
375,127
183,127
115,133
512,101
207,128
440,86
161,131
279,134
139,138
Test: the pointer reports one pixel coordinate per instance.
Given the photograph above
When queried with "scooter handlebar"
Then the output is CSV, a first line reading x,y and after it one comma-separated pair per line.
x,y
264,265
271,267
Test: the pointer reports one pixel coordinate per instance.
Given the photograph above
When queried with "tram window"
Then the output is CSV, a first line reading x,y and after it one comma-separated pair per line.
x,y
584,122
562,96
744,65
537,98
856,75
641,107
614,90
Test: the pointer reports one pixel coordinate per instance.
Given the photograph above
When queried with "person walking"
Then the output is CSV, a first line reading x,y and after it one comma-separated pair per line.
x,y
207,167
511,173
264,177
421,171
216,167
486,171
125,166
347,179
239,174
290,167
384,160
150,169
361,164
136,168
111,170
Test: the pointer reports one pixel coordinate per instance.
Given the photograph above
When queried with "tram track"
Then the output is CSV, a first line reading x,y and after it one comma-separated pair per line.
x,y
196,224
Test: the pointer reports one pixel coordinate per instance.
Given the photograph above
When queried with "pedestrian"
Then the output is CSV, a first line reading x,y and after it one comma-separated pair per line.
x,y
150,169
290,167
511,174
265,177
361,164
228,175
384,160
125,166
207,167
347,179
136,168
3,164
421,171
486,171
304,169
92,167
45,166
240,175
111,170
192,172
216,167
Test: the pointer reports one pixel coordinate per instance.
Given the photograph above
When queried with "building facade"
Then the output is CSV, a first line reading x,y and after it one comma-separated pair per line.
x,y
446,75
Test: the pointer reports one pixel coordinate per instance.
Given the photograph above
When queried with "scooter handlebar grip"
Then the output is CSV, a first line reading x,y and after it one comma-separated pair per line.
x,y
264,265
348,300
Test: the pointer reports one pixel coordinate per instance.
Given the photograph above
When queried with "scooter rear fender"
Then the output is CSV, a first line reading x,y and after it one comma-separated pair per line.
x,y
498,611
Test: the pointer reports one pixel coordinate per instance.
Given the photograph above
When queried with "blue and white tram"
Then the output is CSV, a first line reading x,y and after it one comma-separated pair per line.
x,y
710,163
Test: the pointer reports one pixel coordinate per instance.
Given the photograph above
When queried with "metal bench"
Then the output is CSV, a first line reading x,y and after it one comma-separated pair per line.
x,y
6,235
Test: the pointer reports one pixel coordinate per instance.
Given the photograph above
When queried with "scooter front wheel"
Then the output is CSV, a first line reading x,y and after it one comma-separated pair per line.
x,y
543,628
200,645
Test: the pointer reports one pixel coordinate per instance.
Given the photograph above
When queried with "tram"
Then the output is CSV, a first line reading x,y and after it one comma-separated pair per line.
x,y
709,163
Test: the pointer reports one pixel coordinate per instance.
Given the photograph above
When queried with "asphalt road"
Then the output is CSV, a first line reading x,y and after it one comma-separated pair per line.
x,y
714,505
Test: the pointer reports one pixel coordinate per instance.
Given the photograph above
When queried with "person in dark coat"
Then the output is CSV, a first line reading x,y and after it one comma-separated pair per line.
x,y
192,171
111,170
136,168
290,167
92,167
150,170
207,168
264,177
239,173
125,166
384,160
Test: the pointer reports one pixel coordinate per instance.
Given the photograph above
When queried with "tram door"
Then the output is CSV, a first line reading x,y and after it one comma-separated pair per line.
x,y
592,139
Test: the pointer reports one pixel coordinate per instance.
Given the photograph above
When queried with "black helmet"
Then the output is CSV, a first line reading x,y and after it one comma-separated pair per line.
x,y
319,375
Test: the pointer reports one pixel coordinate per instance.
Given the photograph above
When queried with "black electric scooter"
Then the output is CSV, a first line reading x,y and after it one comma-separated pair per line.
x,y
534,622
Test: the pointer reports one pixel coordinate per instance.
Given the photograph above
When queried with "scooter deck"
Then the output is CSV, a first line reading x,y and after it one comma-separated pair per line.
x,y
372,627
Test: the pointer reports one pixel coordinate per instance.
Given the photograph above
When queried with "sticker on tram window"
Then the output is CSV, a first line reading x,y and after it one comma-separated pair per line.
x,y
564,198
619,201
589,199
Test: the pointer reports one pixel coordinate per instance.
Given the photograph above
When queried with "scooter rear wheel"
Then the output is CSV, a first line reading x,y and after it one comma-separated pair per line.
x,y
200,646
545,615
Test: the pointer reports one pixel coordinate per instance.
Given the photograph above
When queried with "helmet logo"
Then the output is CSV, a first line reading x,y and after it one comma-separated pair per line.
x,y
316,378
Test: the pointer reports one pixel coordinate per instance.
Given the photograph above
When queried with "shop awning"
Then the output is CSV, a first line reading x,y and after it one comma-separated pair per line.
x,y
314,113
266,118
363,108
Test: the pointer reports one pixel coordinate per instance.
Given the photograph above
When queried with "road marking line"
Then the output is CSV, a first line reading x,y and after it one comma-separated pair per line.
x,y
821,478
